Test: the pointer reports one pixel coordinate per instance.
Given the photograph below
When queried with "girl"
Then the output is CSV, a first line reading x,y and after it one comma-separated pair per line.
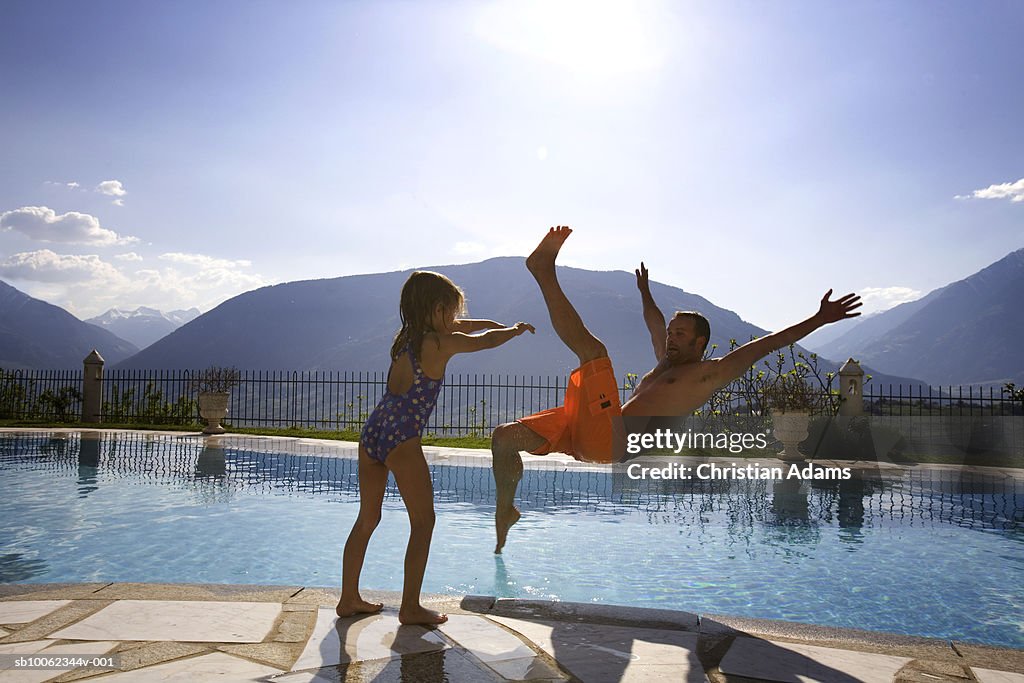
x,y
390,440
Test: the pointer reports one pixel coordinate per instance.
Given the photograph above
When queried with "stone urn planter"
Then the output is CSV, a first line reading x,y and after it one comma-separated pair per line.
x,y
214,388
791,401
790,428
213,407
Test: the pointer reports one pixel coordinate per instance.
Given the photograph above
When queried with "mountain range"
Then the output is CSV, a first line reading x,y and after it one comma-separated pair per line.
x,y
968,332
38,335
347,323
143,326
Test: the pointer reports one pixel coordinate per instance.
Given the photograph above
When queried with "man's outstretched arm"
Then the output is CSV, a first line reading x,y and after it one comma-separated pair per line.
x,y
736,362
653,316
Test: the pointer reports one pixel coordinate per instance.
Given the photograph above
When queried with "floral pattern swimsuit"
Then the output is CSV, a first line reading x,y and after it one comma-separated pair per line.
x,y
400,417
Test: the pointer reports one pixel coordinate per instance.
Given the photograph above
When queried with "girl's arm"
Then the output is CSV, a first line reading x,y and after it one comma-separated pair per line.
x,y
458,342
468,326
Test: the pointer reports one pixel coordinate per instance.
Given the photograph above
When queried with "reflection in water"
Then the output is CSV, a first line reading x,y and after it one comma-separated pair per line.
x,y
913,496
15,567
504,585
211,462
88,463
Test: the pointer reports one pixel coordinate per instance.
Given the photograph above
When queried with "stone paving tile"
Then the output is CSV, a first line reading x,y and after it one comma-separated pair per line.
x,y
48,591
598,653
295,627
829,636
997,658
24,648
137,655
798,663
447,666
378,636
990,676
496,647
220,622
216,666
24,611
58,619
91,649
279,655
932,671
320,597
205,592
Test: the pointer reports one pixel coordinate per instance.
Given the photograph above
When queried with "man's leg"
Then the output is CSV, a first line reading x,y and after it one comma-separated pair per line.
x,y
509,439
566,321
506,443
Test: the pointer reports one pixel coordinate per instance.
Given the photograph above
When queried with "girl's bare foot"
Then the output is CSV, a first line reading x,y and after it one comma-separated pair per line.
x,y
350,608
502,523
422,616
543,257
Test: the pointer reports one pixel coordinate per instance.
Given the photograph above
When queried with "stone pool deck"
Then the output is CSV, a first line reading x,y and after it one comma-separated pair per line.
x,y
197,633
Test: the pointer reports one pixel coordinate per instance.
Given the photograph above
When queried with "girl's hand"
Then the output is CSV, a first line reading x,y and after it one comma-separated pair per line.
x,y
521,327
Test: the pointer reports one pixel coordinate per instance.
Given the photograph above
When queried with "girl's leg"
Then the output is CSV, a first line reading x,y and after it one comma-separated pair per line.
x,y
412,475
373,478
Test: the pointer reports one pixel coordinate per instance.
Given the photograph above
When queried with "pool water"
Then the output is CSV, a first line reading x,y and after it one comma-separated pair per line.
x,y
926,552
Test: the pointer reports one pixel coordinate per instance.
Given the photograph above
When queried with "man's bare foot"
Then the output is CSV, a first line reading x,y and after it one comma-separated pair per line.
x,y
351,608
543,257
502,523
422,616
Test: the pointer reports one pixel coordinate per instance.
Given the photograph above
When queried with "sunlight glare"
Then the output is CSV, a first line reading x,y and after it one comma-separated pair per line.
x,y
589,38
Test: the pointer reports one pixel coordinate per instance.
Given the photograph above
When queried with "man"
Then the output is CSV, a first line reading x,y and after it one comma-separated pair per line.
x,y
590,426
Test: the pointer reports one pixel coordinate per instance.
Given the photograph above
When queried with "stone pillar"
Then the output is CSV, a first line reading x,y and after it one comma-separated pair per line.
x,y
851,388
92,387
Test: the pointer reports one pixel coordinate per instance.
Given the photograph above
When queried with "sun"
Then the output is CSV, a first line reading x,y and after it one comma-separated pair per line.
x,y
591,38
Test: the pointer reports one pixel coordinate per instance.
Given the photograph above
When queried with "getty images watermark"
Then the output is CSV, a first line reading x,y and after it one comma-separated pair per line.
x,y
734,442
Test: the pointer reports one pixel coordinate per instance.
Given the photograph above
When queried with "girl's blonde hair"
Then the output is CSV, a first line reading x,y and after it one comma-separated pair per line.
x,y
421,294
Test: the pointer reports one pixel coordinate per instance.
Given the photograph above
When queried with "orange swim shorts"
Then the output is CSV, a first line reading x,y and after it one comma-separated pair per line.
x,y
583,427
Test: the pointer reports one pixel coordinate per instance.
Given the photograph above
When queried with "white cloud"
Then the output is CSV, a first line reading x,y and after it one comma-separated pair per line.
x,y
86,285
42,224
203,261
111,188
73,185
118,202
884,298
1012,191
46,266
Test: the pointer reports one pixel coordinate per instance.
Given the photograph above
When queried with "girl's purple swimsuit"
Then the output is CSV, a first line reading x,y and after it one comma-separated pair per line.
x,y
400,417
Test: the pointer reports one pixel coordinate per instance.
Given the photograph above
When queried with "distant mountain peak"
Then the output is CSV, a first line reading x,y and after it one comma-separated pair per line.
x,y
143,325
35,334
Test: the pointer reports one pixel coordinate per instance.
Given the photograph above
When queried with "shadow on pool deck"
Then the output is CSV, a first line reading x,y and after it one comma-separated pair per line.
x,y
290,633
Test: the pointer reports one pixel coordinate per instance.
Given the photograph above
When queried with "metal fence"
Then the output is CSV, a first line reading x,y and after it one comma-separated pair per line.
x,y
333,401
960,401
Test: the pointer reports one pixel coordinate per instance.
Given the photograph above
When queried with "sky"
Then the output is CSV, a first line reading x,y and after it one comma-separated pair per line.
x,y
176,154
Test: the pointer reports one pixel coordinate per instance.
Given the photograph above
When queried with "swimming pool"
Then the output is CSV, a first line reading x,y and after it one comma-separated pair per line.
x,y
924,551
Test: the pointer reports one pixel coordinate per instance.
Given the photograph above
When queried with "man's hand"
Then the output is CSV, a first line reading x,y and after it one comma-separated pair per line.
x,y
840,309
523,327
641,279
